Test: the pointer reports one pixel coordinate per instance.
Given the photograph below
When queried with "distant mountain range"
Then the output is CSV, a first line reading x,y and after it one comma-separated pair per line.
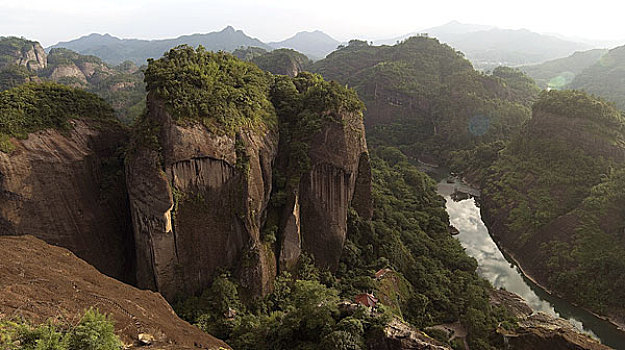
x,y
485,46
488,47
316,45
115,50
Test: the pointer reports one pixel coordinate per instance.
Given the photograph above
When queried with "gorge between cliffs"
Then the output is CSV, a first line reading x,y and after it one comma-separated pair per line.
x,y
246,209
462,203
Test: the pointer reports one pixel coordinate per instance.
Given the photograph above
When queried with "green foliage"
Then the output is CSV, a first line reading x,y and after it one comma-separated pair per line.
x,y
425,98
556,178
13,75
434,281
32,107
62,56
558,73
215,89
577,104
248,53
95,331
605,77
282,61
298,314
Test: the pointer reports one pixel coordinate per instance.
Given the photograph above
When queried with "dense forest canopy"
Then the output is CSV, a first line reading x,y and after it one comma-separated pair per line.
x,y
425,97
32,107
554,188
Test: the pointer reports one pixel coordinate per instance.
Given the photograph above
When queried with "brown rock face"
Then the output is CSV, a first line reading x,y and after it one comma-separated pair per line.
x,y
198,204
40,282
340,173
201,208
400,336
33,59
539,330
315,216
68,190
68,71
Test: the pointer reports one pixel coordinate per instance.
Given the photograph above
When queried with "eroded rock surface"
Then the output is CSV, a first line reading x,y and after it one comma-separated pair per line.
x,y
539,330
39,282
67,188
400,336
198,206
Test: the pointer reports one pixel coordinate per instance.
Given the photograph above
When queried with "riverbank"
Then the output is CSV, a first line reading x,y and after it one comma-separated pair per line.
x,y
503,270
615,320
620,325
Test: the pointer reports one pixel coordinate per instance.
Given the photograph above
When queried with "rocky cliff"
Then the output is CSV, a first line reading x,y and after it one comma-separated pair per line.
x,y
64,183
198,205
339,176
539,330
21,52
200,190
41,282
552,199
398,335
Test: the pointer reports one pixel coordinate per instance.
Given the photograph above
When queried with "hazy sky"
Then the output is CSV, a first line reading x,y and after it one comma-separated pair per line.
x,y
50,21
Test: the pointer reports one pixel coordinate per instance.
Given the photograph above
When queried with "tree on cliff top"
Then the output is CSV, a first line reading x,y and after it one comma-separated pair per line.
x,y
216,89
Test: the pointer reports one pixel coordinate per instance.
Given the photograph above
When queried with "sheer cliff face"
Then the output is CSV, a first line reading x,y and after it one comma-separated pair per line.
x,y
65,188
33,58
198,206
315,216
340,176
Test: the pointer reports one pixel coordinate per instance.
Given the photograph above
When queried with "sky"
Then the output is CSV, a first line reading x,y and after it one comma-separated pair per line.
x,y
50,21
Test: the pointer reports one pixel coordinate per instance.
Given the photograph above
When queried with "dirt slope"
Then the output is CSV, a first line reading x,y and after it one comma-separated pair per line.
x,y
39,281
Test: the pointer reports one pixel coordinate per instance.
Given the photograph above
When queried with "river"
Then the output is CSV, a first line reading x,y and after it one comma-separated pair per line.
x,y
493,265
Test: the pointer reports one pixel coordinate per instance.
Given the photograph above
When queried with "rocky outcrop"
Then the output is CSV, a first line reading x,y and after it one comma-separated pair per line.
x,y
539,330
85,72
33,57
199,203
68,71
67,188
340,176
400,336
198,206
41,282
340,172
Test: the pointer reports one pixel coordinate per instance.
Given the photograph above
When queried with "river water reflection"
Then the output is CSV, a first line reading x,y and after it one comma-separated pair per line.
x,y
492,265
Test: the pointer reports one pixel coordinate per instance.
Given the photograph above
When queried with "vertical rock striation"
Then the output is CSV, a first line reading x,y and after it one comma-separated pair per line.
x,y
340,172
65,188
198,205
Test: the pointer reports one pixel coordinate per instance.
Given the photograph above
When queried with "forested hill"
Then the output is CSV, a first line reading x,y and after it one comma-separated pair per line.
x,y
23,61
554,199
488,47
426,98
605,78
558,73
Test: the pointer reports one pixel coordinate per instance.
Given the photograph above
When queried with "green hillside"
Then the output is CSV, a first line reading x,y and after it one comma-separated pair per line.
x,y
558,73
605,78
553,199
427,99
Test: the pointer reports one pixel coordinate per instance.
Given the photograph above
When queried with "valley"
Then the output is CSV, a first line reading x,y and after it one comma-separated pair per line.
x,y
214,191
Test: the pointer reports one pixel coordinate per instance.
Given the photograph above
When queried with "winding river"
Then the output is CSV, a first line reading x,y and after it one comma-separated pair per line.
x,y
494,266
